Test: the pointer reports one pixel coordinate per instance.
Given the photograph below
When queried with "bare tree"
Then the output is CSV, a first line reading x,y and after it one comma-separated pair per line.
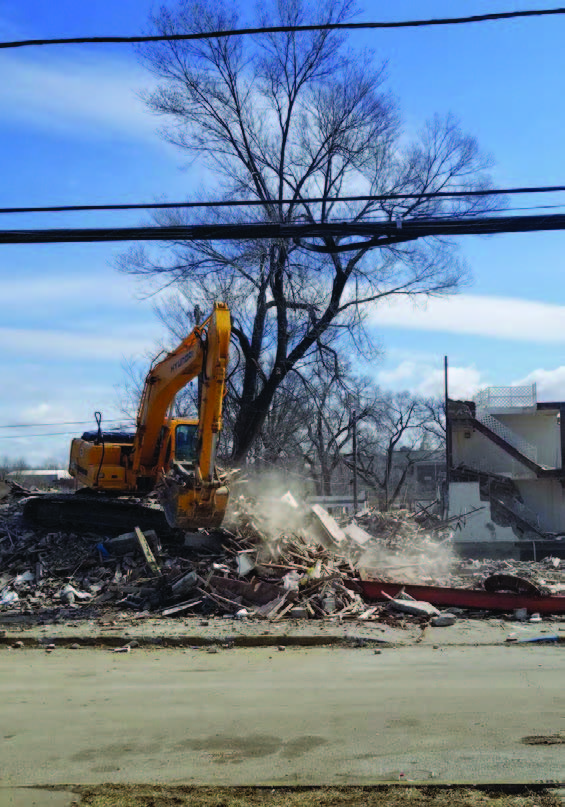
x,y
333,394
402,434
8,464
292,116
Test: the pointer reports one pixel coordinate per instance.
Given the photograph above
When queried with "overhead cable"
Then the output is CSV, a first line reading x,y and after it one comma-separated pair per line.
x,y
276,29
62,423
26,436
381,233
383,197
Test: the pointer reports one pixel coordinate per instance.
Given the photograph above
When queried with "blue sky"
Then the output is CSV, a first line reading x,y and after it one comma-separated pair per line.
x,y
73,130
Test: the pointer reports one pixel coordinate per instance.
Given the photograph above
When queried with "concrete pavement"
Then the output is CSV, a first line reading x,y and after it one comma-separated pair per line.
x,y
258,716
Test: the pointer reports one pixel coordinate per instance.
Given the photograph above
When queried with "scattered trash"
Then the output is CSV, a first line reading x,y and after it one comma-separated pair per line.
x,y
549,638
21,579
71,590
302,564
328,604
245,564
291,580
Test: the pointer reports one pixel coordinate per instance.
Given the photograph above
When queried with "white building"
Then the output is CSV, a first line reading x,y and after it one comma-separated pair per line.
x,y
506,477
42,478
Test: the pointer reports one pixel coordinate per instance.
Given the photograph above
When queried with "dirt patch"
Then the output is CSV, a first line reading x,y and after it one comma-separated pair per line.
x,y
544,739
164,796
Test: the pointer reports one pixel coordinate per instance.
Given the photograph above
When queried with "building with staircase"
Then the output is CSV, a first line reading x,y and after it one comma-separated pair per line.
x,y
506,474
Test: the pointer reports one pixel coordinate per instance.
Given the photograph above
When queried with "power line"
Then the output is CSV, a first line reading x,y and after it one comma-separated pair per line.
x,y
381,233
62,423
276,29
384,197
26,436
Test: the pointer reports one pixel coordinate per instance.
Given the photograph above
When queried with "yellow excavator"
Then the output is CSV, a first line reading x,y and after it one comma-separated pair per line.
x,y
173,457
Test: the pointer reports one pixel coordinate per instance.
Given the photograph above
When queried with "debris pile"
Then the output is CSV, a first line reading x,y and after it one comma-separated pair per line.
x,y
275,562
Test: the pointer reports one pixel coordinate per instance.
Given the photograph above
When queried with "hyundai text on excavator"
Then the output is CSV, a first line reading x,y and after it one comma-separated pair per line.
x,y
174,457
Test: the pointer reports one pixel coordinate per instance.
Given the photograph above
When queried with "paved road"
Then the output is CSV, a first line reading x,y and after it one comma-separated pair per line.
x,y
265,717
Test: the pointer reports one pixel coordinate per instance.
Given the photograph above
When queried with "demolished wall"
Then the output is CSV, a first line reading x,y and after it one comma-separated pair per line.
x,y
476,523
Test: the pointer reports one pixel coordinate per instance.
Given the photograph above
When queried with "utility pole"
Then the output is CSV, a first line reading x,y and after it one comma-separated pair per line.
x,y
447,440
354,419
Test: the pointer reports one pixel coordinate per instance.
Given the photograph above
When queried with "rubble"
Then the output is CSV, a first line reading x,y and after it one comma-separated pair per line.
x,y
283,562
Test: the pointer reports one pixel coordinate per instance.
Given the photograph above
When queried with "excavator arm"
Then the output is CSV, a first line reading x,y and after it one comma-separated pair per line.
x,y
190,491
203,352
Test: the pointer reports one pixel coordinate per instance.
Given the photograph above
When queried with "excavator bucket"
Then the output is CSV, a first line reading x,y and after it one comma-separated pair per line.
x,y
190,508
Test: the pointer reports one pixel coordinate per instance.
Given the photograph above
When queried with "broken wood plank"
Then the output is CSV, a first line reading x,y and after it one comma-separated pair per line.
x,y
182,606
283,612
219,599
271,608
149,556
254,593
369,612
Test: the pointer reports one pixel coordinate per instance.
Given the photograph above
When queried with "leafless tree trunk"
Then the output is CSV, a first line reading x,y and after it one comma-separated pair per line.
x,y
400,437
289,117
332,395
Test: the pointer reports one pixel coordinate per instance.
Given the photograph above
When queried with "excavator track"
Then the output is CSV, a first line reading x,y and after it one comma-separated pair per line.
x,y
96,514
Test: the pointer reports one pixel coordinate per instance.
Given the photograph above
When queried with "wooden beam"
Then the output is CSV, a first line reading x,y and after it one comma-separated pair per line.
x,y
149,556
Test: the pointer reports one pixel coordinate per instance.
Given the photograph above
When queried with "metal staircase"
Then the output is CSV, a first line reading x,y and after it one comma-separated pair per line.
x,y
515,440
523,514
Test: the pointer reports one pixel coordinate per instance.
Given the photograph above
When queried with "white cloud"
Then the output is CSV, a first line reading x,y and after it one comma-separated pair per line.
x,y
91,93
399,375
100,288
57,345
499,317
550,383
427,379
109,286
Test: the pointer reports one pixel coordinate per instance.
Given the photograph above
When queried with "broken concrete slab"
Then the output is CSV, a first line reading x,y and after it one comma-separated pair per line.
x,y
414,607
358,535
329,529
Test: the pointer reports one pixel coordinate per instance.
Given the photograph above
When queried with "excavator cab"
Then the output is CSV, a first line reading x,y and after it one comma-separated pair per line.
x,y
186,442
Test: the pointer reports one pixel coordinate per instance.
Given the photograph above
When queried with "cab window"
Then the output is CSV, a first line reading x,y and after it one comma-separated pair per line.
x,y
185,443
